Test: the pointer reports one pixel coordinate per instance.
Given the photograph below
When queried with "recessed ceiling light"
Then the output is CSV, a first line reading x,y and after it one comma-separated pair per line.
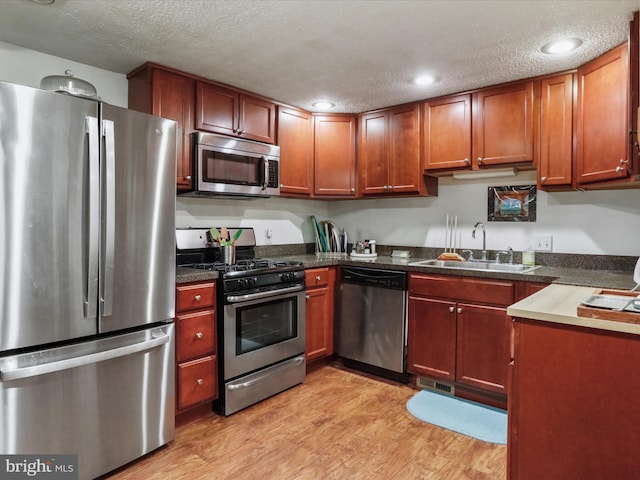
x,y
561,46
424,80
323,105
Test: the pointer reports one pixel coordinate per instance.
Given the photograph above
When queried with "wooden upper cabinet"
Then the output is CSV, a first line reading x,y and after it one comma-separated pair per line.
x,y
447,133
295,138
405,169
389,153
169,95
503,125
230,112
335,155
374,153
603,118
556,132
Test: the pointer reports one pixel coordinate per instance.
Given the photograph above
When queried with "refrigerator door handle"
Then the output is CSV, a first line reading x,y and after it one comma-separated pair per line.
x,y
109,213
92,219
51,367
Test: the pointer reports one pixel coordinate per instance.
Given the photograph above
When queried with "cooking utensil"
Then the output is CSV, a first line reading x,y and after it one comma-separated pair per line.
x,y
67,83
224,233
237,235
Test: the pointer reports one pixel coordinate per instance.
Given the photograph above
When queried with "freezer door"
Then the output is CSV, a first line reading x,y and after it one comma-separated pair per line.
x,y
108,401
48,156
137,265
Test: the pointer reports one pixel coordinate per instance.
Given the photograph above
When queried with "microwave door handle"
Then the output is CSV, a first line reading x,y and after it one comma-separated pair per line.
x,y
265,163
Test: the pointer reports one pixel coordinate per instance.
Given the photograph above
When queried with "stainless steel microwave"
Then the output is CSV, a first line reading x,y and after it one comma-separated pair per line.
x,y
233,166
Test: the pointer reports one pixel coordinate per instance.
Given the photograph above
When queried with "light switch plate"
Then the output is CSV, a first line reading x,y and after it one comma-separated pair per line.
x,y
543,243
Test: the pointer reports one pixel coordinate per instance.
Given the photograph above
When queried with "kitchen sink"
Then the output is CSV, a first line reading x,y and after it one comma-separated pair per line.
x,y
483,266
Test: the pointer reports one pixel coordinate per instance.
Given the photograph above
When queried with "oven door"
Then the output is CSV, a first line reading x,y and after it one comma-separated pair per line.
x,y
263,331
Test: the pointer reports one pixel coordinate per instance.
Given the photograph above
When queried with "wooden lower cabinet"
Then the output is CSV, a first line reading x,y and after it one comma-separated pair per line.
x,y
459,331
196,346
320,284
573,403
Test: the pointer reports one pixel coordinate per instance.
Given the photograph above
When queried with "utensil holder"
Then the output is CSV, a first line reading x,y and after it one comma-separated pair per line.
x,y
228,254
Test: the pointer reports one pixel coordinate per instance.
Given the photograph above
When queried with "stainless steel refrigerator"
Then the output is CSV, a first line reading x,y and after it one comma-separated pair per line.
x,y
87,279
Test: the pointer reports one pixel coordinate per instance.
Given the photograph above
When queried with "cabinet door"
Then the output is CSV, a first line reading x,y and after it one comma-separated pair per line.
x,y
334,155
405,172
319,327
373,153
602,133
257,119
447,133
503,125
483,347
431,338
556,131
295,137
216,109
172,98
197,382
195,335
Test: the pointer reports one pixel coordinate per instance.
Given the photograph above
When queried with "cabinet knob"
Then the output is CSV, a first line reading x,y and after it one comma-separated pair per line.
x,y
466,160
188,178
623,161
479,159
240,132
353,190
459,310
198,334
318,278
199,381
619,169
451,309
543,179
198,298
307,297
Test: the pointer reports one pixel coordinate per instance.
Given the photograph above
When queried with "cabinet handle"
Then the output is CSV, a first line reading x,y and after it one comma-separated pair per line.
x,y
623,161
198,298
451,309
188,178
543,179
459,310
479,159
199,381
198,334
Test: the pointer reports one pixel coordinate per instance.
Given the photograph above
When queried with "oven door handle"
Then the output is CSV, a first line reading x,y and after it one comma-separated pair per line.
x,y
294,363
270,293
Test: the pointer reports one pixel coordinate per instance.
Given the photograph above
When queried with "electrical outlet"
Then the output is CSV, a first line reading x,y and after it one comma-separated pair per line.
x,y
268,236
542,243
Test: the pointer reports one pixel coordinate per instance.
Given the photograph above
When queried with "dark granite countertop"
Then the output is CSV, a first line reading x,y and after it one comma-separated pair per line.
x,y
589,277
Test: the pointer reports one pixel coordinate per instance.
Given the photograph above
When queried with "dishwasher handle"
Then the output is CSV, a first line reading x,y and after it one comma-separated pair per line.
x,y
391,279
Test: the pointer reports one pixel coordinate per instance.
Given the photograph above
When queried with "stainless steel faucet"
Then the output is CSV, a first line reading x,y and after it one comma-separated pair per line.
x,y
484,240
509,252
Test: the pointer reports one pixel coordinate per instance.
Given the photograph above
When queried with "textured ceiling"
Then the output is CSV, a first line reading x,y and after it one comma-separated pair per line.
x,y
361,55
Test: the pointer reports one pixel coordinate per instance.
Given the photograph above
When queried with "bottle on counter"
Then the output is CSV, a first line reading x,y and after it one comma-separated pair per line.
x,y
529,257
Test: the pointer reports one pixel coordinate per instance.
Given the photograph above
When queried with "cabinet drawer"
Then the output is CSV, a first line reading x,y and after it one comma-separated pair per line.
x,y
196,335
316,277
197,382
463,289
195,296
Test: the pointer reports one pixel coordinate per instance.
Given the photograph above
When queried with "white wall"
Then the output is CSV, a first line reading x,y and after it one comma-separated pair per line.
x,y
603,222
596,222
27,67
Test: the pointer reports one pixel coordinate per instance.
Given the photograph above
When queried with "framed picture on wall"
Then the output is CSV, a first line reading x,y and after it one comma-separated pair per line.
x,y
512,204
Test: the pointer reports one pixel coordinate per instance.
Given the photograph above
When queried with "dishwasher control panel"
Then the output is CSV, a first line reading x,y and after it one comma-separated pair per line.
x,y
374,277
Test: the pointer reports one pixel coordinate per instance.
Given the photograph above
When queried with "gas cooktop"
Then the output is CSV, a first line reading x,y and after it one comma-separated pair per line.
x,y
253,265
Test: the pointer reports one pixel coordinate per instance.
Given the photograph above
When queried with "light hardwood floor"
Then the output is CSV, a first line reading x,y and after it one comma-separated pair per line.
x,y
337,425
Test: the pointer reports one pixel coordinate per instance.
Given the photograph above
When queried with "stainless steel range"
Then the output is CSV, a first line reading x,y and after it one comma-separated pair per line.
x,y
261,317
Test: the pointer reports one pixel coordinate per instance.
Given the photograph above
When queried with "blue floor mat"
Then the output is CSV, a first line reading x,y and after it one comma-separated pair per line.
x,y
462,416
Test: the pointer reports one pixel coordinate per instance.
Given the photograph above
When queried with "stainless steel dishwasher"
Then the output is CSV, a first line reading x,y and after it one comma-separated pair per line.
x,y
371,321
